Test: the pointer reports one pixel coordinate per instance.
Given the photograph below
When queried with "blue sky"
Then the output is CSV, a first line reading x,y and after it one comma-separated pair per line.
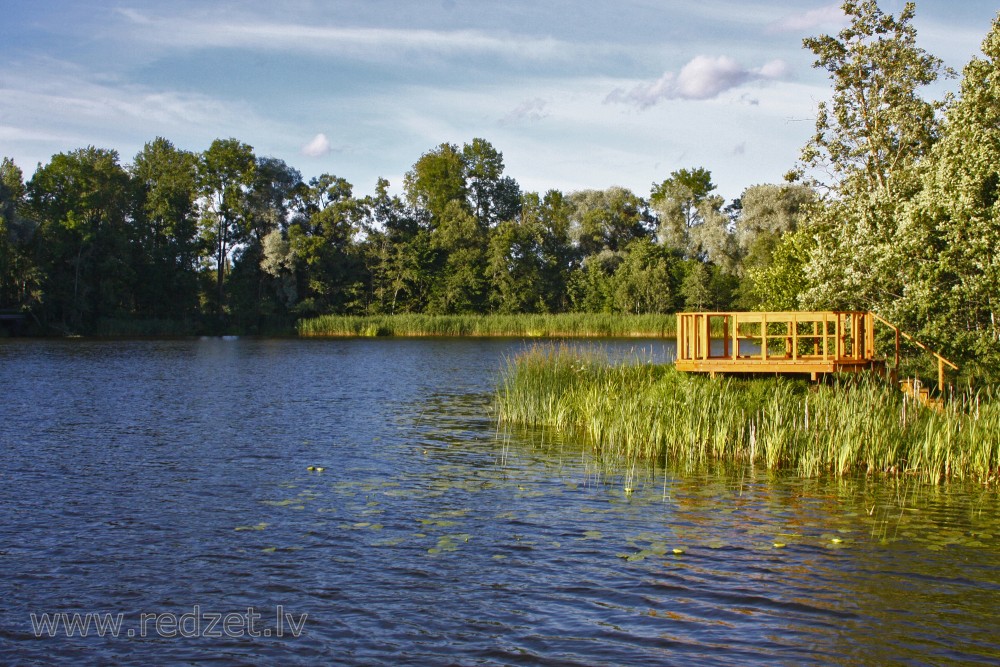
x,y
576,94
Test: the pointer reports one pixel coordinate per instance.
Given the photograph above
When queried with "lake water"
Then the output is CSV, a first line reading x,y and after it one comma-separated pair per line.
x,y
164,485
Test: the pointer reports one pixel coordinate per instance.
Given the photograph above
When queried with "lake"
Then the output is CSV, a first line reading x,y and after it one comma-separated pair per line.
x,y
161,491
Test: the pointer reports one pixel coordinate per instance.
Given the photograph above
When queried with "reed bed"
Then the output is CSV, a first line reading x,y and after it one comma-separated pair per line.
x,y
562,325
856,425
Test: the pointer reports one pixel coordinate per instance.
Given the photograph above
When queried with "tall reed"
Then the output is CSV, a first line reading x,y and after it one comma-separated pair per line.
x,y
519,325
856,425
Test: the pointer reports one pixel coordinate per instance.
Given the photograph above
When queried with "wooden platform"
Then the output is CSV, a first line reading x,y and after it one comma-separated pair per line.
x,y
813,343
789,342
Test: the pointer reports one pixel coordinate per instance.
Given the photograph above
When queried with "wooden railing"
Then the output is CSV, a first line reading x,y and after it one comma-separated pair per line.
x,y
776,336
786,342
941,361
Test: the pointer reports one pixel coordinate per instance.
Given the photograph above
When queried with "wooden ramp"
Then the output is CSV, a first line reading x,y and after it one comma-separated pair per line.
x,y
813,343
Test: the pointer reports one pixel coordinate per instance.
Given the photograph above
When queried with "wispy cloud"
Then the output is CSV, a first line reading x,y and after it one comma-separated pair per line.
x,y
703,78
52,106
317,147
530,110
828,16
233,32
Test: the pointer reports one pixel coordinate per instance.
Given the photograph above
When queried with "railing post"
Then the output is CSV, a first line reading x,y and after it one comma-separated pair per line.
x,y
680,336
826,334
838,342
736,335
763,336
795,336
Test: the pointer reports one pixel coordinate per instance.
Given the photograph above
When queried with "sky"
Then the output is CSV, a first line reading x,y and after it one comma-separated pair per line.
x,y
576,94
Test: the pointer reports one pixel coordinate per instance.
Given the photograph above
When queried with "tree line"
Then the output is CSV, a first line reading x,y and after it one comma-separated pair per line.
x,y
893,207
225,236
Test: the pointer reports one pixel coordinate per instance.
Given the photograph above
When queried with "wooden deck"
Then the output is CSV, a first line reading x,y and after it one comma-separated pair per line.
x,y
789,342
813,343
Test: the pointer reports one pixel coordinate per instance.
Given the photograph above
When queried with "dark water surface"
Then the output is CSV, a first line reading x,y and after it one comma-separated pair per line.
x,y
165,483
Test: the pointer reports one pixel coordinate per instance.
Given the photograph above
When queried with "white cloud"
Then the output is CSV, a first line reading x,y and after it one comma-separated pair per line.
x,y
530,110
828,16
703,78
318,147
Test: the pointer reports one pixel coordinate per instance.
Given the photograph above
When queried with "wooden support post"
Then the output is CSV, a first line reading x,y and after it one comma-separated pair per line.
x,y
870,336
706,337
725,336
838,343
680,337
736,335
826,329
763,336
940,375
794,324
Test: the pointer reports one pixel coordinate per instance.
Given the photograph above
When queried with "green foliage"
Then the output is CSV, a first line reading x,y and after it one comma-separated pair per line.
x,y
689,213
19,276
608,220
166,220
460,245
436,180
82,201
226,173
952,233
877,126
766,214
910,229
776,284
646,281
869,140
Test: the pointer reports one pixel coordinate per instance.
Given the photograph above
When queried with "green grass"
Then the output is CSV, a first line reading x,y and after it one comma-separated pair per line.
x,y
521,325
854,426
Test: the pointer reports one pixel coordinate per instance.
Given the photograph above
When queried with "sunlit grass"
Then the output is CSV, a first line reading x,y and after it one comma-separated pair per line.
x,y
853,426
520,325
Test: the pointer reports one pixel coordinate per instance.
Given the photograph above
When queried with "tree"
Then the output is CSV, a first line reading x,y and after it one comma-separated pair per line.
x,y
514,265
83,200
591,287
321,239
398,252
646,280
226,172
952,232
778,283
459,282
557,256
436,180
493,197
252,292
868,141
678,202
766,213
166,182
19,277
608,219
696,288
877,125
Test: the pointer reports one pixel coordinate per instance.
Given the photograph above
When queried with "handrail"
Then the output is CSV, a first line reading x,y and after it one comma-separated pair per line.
x,y
942,362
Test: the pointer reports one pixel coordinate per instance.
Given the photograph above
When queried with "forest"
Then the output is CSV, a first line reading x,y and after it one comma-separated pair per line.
x,y
893,206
